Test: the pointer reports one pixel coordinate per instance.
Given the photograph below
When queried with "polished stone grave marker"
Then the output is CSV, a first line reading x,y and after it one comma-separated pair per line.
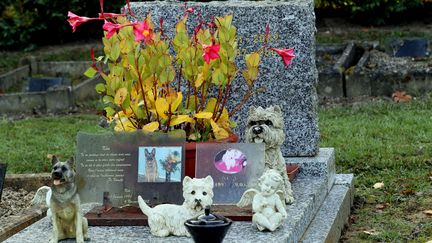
x,y
2,177
292,25
234,167
112,168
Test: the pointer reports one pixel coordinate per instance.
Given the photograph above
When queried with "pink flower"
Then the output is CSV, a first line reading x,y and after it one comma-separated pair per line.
x,y
211,52
143,31
75,20
112,28
286,54
110,15
190,10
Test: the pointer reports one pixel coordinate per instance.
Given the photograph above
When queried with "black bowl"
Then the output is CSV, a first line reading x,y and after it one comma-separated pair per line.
x,y
208,233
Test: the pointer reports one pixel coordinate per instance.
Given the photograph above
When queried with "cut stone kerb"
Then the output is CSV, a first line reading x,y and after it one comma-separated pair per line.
x,y
292,25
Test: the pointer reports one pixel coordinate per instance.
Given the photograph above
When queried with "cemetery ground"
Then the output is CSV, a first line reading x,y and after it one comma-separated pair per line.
x,y
377,140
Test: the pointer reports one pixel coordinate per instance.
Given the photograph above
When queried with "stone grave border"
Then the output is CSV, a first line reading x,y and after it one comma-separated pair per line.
x,y
28,182
59,99
350,76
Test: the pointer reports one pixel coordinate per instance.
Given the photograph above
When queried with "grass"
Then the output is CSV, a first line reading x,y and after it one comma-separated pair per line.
x,y
390,143
378,142
25,144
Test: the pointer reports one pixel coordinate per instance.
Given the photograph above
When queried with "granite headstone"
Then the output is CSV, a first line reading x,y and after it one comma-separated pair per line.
x,y
292,25
2,177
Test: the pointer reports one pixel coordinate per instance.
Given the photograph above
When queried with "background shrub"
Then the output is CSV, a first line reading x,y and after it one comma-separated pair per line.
x,y
370,11
27,23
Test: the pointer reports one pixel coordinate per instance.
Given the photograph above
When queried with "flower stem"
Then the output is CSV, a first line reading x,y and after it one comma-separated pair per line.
x,y
142,89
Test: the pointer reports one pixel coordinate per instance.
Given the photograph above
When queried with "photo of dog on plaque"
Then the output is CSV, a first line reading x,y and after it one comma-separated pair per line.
x,y
235,167
159,164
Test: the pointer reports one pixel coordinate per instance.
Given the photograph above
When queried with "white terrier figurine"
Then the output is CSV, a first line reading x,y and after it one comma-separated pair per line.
x,y
267,126
269,210
168,219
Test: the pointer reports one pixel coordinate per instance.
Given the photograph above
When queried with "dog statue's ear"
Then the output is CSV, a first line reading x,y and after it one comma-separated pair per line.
x,y
277,109
209,180
54,160
186,180
71,162
153,152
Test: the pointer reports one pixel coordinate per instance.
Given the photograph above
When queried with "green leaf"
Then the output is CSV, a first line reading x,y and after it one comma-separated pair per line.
x,y
126,102
90,72
252,60
218,77
109,111
108,99
100,88
115,52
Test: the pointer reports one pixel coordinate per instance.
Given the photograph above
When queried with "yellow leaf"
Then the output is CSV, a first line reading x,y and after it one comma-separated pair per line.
x,y
151,127
218,132
428,212
120,96
200,80
124,125
177,101
180,119
371,232
224,120
210,105
204,115
162,107
378,185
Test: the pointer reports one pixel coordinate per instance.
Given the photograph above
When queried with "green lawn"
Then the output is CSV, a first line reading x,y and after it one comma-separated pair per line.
x,y
25,144
378,142
391,143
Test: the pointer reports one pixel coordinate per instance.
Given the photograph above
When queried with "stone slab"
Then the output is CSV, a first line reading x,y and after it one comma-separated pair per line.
x,y
22,102
28,182
334,212
17,223
3,168
292,24
320,166
309,195
11,78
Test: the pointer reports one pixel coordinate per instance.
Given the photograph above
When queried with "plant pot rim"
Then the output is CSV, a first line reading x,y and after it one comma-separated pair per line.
x,y
233,138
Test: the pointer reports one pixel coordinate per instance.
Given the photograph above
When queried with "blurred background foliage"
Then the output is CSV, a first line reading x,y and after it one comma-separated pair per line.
x,y
373,12
25,24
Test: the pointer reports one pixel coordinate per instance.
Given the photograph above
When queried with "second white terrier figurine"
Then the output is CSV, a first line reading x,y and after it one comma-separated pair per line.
x,y
269,210
168,219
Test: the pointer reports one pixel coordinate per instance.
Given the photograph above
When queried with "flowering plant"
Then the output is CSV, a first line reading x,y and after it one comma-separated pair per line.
x,y
158,83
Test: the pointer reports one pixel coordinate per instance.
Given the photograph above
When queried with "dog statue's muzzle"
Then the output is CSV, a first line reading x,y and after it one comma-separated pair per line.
x,y
57,175
257,130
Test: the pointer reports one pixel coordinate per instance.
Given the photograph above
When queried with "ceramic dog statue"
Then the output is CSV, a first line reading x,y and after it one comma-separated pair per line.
x,y
267,126
64,203
168,219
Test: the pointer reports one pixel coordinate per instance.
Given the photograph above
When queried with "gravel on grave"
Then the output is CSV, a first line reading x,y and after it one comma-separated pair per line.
x,y
13,203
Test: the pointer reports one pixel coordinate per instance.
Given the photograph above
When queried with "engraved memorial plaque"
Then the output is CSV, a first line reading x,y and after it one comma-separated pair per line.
x,y
115,168
235,167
